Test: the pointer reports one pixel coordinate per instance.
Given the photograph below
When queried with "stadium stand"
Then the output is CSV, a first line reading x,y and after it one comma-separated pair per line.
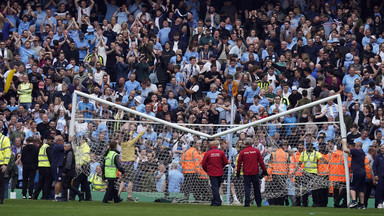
x,y
182,62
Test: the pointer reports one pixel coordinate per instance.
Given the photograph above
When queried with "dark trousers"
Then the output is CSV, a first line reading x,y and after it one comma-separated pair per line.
x,y
379,193
215,185
45,182
29,173
204,192
323,192
190,185
339,193
252,180
2,185
82,180
67,184
279,188
111,191
308,185
368,189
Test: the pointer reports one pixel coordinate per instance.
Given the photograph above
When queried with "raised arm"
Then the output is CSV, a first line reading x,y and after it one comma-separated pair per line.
x,y
345,147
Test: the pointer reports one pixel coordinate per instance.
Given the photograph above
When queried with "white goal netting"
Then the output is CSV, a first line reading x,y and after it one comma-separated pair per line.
x,y
152,153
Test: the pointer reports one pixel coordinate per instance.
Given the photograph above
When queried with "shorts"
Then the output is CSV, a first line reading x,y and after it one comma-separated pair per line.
x,y
57,173
358,182
129,171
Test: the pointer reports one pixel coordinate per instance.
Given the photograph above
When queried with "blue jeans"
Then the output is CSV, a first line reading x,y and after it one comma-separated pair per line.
x,y
254,180
215,185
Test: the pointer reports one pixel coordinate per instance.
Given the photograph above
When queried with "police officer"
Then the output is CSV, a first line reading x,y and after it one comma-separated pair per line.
x,y
69,171
5,155
110,167
250,159
44,167
213,163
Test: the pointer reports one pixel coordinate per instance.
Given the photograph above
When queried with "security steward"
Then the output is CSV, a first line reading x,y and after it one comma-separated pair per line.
x,y
98,184
82,161
5,156
337,178
44,168
110,166
213,163
310,158
250,159
69,172
278,169
189,162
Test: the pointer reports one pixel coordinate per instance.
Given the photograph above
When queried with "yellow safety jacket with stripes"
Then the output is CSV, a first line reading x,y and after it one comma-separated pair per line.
x,y
43,156
82,154
5,150
25,92
97,182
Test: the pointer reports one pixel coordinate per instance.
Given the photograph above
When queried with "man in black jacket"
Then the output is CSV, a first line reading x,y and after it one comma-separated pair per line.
x,y
69,172
29,155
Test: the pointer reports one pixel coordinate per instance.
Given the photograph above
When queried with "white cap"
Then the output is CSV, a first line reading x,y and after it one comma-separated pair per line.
x,y
294,88
138,99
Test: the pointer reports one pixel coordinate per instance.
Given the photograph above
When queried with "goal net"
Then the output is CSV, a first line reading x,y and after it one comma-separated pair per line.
x,y
151,151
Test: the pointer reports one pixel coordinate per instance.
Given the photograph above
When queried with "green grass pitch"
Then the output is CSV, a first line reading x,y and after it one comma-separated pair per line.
x,y
95,208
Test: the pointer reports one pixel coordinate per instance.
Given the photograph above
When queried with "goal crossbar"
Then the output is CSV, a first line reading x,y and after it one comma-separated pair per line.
x,y
188,130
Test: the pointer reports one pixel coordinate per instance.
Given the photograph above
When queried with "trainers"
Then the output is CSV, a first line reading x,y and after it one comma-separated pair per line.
x,y
57,199
352,205
130,199
24,197
380,206
236,202
362,207
30,197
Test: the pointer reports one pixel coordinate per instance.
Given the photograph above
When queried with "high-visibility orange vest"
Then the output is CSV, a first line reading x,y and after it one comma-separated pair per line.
x,y
199,169
278,163
367,169
294,162
336,167
190,161
322,167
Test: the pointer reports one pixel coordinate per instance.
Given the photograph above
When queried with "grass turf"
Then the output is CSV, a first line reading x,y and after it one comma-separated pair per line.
x,y
75,208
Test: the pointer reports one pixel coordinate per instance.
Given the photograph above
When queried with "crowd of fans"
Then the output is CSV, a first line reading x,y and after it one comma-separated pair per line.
x,y
182,61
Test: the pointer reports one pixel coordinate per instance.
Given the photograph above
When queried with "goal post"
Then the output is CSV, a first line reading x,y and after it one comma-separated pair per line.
x,y
167,141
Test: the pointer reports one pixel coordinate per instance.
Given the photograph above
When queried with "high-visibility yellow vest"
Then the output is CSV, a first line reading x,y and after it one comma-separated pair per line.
x,y
5,150
82,154
110,170
310,161
97,182
25,93
43,157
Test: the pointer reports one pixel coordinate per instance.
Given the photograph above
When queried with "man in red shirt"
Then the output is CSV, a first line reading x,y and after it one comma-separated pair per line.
x,y
213,163
251,158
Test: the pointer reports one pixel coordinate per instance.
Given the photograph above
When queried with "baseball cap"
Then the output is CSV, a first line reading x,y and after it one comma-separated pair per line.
x,y
138,99
294,88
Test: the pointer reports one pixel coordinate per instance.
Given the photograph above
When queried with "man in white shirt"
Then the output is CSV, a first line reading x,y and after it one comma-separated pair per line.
x,y
82,9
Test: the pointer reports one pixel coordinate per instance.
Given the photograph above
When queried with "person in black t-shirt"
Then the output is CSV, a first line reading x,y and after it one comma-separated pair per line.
x,y
358,172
